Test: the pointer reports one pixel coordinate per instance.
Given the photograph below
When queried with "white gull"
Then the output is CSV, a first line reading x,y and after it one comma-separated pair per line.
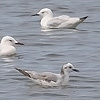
x,y
63,21
7,46
49,78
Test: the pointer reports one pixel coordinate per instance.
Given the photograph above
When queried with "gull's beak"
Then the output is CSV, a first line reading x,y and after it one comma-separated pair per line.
x,y
35,15
76,70
19,43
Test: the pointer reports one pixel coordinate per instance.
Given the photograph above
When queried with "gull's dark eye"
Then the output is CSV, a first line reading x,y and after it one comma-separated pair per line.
x,y
65,67
10,40
70,67
42,12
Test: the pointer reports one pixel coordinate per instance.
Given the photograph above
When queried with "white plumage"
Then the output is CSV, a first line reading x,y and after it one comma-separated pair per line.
x,y
7,46
63,21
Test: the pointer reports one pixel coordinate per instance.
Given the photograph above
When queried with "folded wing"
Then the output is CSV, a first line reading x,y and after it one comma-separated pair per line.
x,y
46,76
56,21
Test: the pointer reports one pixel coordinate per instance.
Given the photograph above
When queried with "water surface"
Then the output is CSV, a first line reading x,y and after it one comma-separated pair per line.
x,y
49,50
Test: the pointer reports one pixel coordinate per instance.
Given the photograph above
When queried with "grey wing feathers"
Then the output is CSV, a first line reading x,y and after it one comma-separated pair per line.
x,y
45,76
50,77
42,76
56,21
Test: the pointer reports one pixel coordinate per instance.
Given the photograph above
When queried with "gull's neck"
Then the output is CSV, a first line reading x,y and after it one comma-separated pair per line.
x,y
65,78
45,20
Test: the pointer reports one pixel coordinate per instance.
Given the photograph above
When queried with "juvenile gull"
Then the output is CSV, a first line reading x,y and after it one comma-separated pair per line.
x,y
63,21
49,78
7,46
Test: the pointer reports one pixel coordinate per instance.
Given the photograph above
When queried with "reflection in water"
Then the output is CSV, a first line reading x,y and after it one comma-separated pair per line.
x,y
9,59
6,59
9,62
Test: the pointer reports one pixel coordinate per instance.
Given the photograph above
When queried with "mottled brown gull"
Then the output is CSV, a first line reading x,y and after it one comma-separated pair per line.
x,y
49,78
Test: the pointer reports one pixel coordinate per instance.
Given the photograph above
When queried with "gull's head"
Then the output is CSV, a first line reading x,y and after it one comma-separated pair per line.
x,y
67,68
44,12
8,40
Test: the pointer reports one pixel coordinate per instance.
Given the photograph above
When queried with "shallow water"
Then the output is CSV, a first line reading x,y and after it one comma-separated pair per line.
x,y
49,50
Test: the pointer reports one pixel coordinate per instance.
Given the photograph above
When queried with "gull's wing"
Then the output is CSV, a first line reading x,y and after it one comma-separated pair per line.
x,y
65,21
48,76
72,22
56,21
45,76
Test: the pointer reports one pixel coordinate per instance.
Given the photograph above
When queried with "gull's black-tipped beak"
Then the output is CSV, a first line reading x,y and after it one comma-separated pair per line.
x,y
35,15
76,70
19,43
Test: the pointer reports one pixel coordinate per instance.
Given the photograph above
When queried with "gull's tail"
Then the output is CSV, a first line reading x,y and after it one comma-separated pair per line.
x,y
83,18
23,72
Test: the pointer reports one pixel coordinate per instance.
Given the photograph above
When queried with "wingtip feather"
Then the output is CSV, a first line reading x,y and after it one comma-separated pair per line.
x,y
83,18
23,72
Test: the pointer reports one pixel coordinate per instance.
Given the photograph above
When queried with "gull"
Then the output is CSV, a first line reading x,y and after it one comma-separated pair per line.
x,y
63,21
7,46
49,78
